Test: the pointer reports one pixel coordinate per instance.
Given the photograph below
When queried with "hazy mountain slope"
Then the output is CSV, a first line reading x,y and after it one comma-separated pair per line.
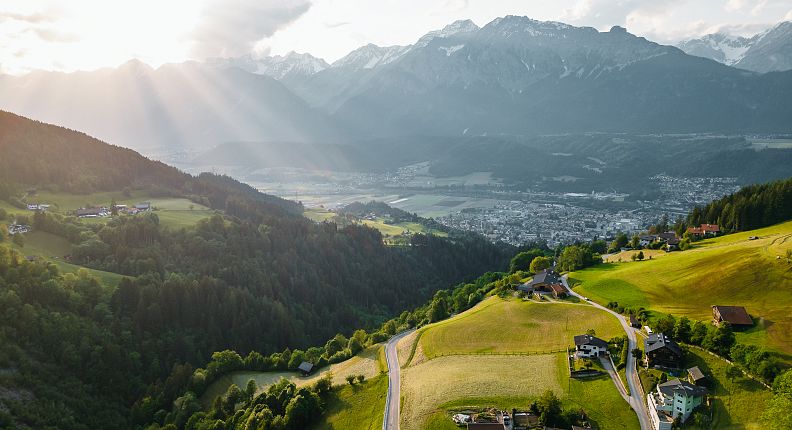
x,y
183,105
768,51
771,52
281,67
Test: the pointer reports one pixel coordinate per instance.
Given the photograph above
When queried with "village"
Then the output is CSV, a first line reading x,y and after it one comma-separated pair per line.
x,y
674,387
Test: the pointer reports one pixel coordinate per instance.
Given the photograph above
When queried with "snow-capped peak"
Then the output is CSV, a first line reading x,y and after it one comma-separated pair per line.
x,y
370,56
456,27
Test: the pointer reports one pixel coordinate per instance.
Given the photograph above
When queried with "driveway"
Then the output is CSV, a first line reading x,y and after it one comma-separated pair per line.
x,y
637,398
393,398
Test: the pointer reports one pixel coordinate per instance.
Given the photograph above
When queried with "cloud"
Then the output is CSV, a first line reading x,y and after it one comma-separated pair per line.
x,y
50,35
605,13
230,28
32,18
788,16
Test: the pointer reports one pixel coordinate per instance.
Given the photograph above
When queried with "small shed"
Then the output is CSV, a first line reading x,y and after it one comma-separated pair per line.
x,y
634,322
695,375
306,368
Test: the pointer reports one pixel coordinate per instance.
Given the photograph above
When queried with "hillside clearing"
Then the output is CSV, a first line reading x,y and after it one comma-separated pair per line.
x,y
729,270
359,407
368,363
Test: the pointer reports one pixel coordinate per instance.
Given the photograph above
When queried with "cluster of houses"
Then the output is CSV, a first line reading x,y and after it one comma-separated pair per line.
x,y
103,211
545,283
37,206
668,240
18,229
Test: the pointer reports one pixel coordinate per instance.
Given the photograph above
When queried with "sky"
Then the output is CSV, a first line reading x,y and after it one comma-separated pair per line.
x,y
90,34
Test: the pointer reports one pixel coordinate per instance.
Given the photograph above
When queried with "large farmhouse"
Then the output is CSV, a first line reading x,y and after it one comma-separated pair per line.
x,y
737,316
545,282
661,351
673,399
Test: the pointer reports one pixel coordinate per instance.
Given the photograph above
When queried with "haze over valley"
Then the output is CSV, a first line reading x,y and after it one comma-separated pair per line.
x,y
347,215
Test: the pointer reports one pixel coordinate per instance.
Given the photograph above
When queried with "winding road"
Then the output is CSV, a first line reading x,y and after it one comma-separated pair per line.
x,y
393,399
636,396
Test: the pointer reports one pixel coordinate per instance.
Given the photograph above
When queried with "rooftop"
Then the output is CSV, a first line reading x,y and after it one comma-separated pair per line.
x,y
733,314
657,341
587,339
680,387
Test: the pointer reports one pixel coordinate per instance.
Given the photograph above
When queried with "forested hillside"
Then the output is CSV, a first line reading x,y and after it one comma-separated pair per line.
x,y
752,207
257,276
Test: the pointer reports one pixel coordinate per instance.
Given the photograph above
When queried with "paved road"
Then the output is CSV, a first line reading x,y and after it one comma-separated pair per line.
x,y
637,399
393,399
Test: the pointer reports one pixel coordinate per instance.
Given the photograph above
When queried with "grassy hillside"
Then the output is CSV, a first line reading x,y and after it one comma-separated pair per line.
x,y
729,270
735,402
492,356
516,326
359,407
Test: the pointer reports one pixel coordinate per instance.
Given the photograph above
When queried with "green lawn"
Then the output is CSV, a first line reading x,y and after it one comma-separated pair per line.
x,y
515,326
359,407
433,389
44,244
737,405
729,270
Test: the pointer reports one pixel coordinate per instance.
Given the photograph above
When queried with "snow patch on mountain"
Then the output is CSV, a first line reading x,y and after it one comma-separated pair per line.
x,y
451,49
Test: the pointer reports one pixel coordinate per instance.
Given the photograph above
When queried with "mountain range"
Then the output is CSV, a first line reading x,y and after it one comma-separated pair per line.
x,y
513,76
768,51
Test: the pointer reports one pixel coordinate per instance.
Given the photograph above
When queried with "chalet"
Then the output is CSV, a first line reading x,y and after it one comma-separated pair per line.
x,y
587,346
661,351
546,282
695,376
665,237
672,244
306,368
710,229
37,207
91,212
695,232
673,399
634,323
143,206
558,290
647,239
737,316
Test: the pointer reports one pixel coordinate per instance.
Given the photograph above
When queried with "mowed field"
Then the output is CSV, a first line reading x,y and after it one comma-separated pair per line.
x,y
491,356
369,363
729,270
516,326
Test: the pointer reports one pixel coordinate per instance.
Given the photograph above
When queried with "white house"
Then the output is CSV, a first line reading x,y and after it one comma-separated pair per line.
x,y
675,398
587,346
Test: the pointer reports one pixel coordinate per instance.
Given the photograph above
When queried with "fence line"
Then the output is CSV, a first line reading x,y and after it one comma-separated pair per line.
x,y
493,353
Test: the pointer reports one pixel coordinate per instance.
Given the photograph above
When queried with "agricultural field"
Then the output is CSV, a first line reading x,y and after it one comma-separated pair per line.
x,y
729,270
387,230
515,326
358,407
433,389
369,363
493,356
172,212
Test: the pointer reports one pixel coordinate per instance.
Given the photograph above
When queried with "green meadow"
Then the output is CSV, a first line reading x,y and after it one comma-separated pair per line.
x,y
358,407
493,356
729,270
516,326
